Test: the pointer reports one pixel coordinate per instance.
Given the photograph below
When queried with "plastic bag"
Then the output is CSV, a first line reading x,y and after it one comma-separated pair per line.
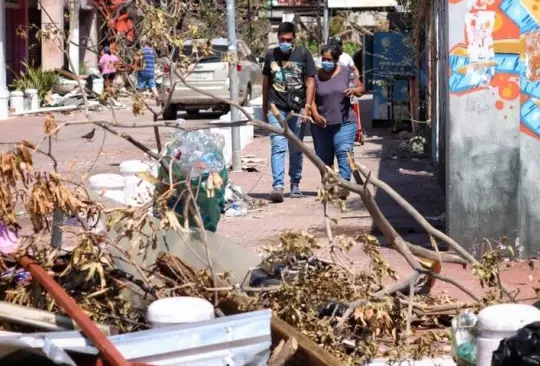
x,y
464,338
523,349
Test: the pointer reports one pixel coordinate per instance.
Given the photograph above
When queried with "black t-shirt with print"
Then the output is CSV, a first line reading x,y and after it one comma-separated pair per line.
x,y
295,67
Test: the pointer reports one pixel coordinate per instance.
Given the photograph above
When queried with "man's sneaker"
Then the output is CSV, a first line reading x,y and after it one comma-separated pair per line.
x,y
295,191
276,195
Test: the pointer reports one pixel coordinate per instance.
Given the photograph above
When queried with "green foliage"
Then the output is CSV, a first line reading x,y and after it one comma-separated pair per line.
x,y
36,78
250,27
351,47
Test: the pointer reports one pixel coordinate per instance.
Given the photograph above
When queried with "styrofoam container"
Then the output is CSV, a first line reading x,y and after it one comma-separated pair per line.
x,y
112,186
179,310
498,322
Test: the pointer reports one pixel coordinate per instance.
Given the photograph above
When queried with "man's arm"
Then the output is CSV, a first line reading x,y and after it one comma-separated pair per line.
x,y
265,91
266,84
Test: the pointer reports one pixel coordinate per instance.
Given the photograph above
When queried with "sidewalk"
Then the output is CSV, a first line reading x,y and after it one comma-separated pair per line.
x,y
381,155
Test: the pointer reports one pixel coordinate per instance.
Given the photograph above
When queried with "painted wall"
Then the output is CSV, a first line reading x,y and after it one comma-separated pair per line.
x,y
493,121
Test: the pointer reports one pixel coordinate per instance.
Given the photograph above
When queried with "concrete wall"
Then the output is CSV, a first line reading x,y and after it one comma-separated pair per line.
x,y
493,132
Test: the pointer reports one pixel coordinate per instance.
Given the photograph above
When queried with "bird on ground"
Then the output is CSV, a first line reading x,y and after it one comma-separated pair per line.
x,y
90,135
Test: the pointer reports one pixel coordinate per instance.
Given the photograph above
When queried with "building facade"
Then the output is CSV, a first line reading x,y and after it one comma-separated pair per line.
x,y
489,113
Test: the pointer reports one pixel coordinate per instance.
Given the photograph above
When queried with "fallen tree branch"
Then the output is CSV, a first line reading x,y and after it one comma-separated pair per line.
x,y
283,352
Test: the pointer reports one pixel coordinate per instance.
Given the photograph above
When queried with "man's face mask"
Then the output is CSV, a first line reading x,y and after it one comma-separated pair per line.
x,y
285,44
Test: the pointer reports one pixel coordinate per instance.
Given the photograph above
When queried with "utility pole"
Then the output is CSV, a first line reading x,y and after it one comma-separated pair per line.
x,y
4,94
326,22
234,87
74,39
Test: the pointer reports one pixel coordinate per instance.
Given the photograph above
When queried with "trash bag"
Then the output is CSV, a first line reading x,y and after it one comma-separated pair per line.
x,y
197,159
209,207
523,349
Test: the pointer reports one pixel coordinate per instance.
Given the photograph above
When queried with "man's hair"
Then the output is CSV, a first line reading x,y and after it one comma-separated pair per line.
x,y
286,27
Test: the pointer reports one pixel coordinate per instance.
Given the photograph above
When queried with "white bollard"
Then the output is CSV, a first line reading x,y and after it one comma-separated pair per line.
x,y
498,322
179,310
31,99
16,101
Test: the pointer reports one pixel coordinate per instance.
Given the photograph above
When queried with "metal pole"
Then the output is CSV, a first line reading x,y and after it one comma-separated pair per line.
x,y
325,21
4,94
234,87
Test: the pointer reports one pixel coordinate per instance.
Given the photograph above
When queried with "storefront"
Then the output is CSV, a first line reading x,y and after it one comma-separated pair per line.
x,y
16,47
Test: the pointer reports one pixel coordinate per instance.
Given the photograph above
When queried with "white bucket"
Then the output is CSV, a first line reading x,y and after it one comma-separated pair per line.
x,y
498,322
32,100
16,101
97,85
178,310
111,185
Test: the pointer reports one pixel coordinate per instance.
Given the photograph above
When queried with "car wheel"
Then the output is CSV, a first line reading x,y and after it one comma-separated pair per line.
x,y
248,96
171,112
192,112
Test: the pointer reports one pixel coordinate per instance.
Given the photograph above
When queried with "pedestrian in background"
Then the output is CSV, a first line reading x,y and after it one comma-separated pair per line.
x,y
288,84
146,79
107,65
335,126
345,59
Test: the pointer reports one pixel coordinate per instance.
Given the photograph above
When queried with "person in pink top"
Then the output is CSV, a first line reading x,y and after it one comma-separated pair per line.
x,y
107,64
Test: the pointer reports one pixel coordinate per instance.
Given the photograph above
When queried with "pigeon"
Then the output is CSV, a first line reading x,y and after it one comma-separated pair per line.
x,y
90,135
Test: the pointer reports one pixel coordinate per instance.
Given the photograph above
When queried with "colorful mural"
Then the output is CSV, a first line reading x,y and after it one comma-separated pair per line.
x,y
501,53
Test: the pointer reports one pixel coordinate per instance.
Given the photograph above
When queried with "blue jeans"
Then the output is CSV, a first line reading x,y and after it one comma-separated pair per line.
x,y
279,148
146,82
335,141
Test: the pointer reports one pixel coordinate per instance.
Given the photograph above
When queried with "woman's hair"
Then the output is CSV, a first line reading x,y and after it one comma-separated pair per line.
x,y
107,50
334,50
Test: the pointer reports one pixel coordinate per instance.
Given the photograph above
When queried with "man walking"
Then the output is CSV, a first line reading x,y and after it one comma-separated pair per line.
x,y
288,84
147,75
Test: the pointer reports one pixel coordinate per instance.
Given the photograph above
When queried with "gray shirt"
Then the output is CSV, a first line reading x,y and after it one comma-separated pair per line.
x,y
332,102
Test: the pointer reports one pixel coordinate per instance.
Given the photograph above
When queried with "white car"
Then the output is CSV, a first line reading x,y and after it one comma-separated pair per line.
x,y
211,74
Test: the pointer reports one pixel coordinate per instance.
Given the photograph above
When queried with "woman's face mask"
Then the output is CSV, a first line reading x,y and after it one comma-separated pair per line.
x,y
328,65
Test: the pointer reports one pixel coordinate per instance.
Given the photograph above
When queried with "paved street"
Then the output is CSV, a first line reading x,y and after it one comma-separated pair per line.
x,y
262,227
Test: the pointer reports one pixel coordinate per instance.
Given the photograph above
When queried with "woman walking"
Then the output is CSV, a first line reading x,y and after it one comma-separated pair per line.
x,y
107,64
335,126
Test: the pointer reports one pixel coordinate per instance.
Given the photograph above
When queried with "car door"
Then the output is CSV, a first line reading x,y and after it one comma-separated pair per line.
x,y
253,70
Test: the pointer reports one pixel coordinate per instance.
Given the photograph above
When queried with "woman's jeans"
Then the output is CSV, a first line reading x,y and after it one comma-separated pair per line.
x,y
335,141
279,148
